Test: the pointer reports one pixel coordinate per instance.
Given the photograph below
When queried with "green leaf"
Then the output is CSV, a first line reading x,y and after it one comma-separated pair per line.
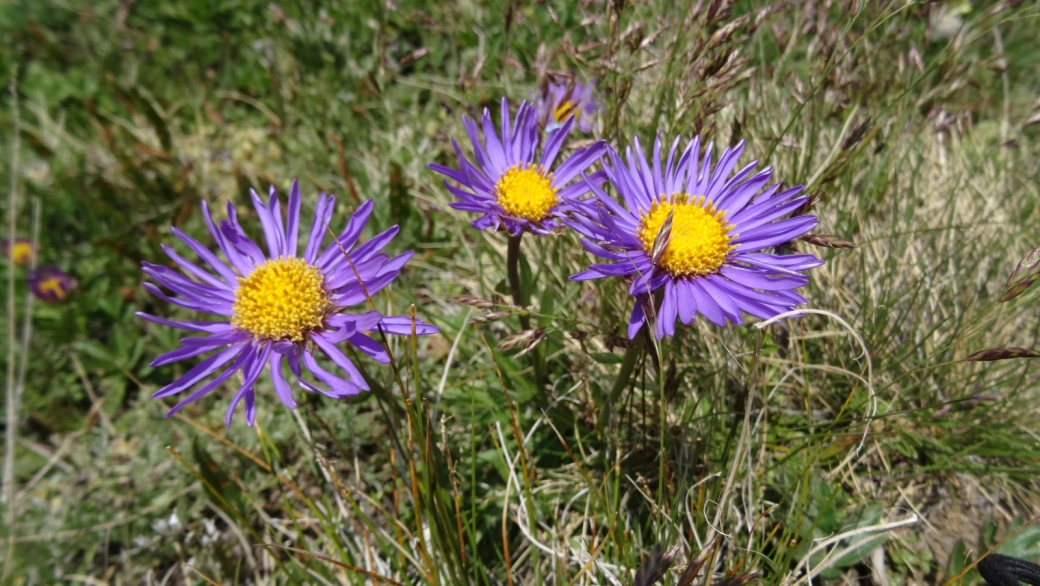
x,y
1024,543
605,357
957,559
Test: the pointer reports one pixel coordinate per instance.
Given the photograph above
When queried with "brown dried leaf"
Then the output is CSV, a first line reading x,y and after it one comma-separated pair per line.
x,y
991,354
1024,275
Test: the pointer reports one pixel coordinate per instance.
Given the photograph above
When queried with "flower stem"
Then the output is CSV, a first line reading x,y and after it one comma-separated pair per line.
x,y
520,299
628,364
513,271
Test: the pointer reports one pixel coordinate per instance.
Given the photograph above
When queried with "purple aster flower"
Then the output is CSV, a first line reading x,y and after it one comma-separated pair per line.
x,y
508,185
48,283
561,101
697,233
278,308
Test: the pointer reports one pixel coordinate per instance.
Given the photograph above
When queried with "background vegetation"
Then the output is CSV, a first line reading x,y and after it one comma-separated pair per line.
x,y
857,445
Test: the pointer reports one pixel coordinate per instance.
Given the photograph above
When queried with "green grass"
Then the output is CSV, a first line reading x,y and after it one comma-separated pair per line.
x,y
907,121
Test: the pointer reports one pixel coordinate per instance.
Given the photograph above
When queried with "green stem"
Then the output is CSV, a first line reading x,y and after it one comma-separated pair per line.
x,y
520,298
513,272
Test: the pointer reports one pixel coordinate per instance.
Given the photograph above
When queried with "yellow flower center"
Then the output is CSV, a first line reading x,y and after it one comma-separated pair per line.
x,y
54,286
283,299
526,191
699,240
565,109
22,252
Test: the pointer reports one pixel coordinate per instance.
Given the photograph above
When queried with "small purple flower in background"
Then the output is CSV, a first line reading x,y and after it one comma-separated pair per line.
x,y
278,307
562,101
697,233
50,284
508,185
22,250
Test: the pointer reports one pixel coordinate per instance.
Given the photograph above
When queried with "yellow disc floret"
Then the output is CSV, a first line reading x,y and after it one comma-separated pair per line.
x,y
699,240
526,191
283,299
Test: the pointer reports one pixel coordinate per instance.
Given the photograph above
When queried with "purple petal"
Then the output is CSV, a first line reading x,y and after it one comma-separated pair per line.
x,y
507,136
281,388
322,214
687,303
340,360
198,372
193,326
293,221
735,199
206,255
347,239
194,270
251,370
369,346
705,304
208,387
247,249
205,306
578,162
726,304
340,387
276,212
180,354
479,153
496,156
666,315
775,233
635,321
267,223
759,280
553,142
